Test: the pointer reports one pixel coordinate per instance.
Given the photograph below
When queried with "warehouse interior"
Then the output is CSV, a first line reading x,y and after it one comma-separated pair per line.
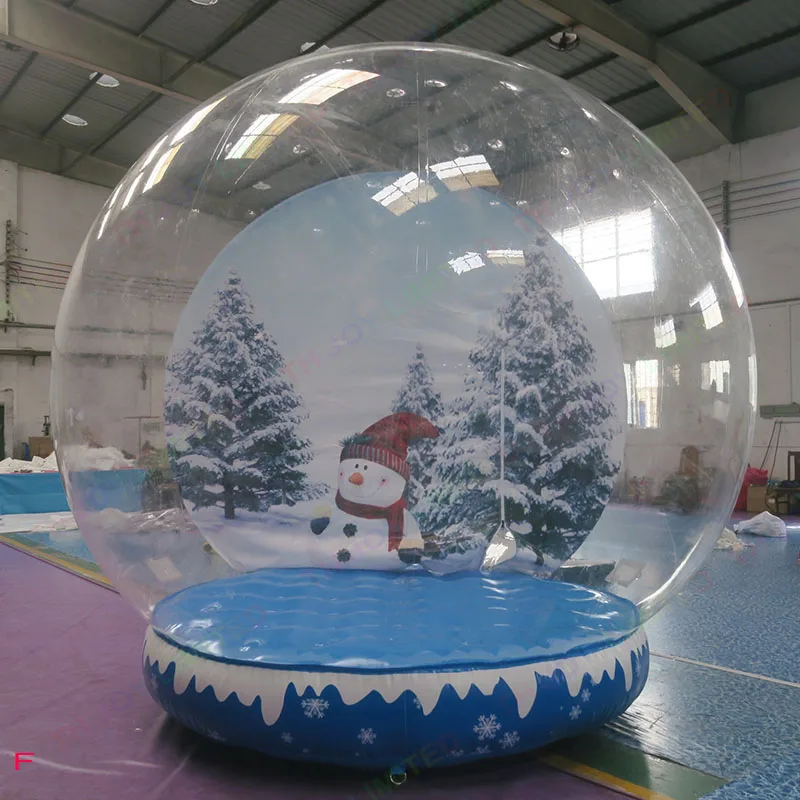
x,y
89,92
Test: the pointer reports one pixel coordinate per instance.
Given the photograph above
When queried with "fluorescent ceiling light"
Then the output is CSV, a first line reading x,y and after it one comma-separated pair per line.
x,y
404,194
466,263
564,41
326,85
506,257
74,119
465,172
194,120
260,135
160,168
204,2
106,81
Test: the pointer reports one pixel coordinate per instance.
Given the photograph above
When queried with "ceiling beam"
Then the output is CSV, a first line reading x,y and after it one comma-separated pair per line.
x,y
713,103
37,152
49,28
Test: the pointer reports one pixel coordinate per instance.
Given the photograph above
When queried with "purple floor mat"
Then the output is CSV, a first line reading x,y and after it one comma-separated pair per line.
x,y
72,695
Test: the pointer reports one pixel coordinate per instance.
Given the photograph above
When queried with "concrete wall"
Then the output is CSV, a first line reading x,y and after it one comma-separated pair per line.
x,y
765,241
52,216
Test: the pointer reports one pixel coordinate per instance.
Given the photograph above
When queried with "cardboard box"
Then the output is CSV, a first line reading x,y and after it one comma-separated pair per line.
x,y
40,446
756,499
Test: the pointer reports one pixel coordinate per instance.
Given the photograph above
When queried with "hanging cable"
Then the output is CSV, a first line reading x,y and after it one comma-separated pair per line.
x,y
502,438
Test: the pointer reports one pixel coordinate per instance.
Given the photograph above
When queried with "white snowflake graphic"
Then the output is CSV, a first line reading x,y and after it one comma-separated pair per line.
x,y
366,736
417,702
482,750
287,737
510,739
575,712
586,695
487,727
456,753
315,707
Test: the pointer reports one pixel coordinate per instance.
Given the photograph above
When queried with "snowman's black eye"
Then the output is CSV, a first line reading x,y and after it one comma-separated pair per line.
x,y
365,467
356,466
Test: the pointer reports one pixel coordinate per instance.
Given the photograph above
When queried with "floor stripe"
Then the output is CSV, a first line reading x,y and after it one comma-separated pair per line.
x,y
57,561
729,670
602,778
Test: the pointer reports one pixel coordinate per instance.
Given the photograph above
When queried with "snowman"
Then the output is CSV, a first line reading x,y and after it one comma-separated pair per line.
x,y
371,513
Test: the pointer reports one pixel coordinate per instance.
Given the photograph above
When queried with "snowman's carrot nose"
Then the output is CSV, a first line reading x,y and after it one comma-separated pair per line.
x,y
357,478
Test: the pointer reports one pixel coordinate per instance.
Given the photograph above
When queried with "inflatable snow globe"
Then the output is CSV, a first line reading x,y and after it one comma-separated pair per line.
x,y
397,386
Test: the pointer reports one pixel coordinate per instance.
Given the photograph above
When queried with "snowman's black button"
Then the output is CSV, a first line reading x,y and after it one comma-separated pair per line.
x,y
319,524
350,529
343,556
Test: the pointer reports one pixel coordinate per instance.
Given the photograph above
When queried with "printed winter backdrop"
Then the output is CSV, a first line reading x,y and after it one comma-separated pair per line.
x,y
352,302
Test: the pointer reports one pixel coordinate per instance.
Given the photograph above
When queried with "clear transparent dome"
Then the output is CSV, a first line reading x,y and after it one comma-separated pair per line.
x,y
286,338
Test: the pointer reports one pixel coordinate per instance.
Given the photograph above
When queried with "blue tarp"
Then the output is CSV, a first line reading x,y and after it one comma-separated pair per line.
x,y
119,488
32,494
41,493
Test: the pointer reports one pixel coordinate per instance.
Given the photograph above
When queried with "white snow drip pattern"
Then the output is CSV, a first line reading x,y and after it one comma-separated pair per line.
x,y
314,707
270,686
366,736
487,727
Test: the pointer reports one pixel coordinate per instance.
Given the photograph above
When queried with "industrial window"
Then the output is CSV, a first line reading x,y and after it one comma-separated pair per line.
x,y
642,383
716,376
616,253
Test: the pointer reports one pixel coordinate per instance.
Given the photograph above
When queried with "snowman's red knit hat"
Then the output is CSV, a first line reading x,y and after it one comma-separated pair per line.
x,y
386,442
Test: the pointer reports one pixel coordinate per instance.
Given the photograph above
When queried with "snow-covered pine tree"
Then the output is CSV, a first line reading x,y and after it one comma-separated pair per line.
x,y
232,414
559,424
418,395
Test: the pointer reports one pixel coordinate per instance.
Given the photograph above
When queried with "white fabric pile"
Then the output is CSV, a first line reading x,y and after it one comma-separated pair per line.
x,y
36,464
81,457
729,541
763,524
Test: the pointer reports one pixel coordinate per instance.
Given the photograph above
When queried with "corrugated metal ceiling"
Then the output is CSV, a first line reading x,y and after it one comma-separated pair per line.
x,y
614,78
11,62
656,15
737,28
276,36
128,14
186,28
502,28
752,70
729,42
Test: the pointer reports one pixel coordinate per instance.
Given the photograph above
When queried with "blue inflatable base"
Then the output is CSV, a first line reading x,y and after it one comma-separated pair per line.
x,y
375,670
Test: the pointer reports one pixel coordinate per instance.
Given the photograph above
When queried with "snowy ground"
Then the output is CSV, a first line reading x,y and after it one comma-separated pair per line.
x,y
282,537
